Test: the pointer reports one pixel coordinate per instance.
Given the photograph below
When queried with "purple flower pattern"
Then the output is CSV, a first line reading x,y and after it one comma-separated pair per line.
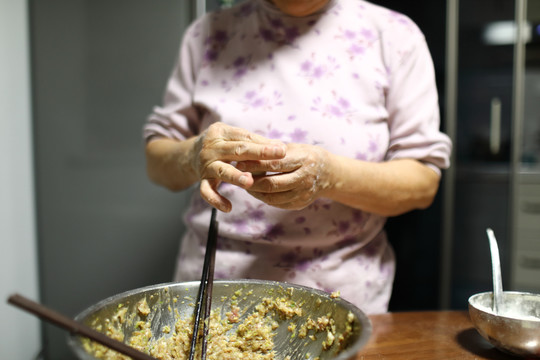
x,y
334,107
258,99
254,212
275,134
313,71
214,45
295,135
273,231
356,41
298,135
275,31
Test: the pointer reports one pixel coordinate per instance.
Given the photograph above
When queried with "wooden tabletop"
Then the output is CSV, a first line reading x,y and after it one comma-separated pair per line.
x,y
427,335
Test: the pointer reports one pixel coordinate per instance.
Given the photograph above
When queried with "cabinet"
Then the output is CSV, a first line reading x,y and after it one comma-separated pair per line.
x,y
492,115
526,259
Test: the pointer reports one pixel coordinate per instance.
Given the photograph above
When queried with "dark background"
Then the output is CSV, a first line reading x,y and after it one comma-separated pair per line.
x,y
416,236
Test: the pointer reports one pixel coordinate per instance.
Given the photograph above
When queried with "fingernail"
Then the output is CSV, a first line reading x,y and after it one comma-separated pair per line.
x,y
243,179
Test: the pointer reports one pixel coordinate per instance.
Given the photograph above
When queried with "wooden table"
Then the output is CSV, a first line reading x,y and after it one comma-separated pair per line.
x,y
427,335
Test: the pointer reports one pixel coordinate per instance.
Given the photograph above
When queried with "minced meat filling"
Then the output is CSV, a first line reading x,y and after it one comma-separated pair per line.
x,y
234,336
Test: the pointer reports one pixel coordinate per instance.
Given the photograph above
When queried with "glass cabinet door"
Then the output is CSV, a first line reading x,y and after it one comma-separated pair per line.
x,y
496,180
525,263
530,144
482,144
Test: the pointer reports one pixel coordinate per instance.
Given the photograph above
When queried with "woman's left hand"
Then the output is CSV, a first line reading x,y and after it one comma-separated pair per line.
x,y
309,172
293,182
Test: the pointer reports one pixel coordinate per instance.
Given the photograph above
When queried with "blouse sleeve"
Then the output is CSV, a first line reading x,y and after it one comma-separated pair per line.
x,y
412,102
177,117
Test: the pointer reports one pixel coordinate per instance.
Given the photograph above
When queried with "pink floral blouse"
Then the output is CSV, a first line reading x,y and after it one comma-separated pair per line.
x,y
354,78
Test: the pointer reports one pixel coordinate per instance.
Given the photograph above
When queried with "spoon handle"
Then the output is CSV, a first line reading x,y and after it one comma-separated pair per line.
x,y
496,268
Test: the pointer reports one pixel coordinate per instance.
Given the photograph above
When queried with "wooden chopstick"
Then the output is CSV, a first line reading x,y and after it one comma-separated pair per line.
x,y
75,327
204,296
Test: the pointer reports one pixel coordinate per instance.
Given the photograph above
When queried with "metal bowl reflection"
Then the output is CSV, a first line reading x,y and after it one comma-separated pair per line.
x,y
163,299
515,329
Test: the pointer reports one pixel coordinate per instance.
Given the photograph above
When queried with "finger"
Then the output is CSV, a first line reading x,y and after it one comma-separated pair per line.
x,y
275,183
274,166
241,142
243,151
232,133
228,173
209,192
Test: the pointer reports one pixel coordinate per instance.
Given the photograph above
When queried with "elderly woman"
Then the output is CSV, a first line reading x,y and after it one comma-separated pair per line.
x,y
307,123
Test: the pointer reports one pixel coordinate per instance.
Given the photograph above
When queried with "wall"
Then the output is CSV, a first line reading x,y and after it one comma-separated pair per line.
x,y
99,66
19,331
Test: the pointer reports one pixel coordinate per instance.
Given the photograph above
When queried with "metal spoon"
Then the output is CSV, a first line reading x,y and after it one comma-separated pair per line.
x,y
496,268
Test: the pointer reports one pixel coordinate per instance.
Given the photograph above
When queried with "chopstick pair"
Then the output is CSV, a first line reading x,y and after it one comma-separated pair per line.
x,y
204,296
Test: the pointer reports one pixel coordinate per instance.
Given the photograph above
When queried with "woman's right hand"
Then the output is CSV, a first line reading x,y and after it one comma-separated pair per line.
x,y
218,148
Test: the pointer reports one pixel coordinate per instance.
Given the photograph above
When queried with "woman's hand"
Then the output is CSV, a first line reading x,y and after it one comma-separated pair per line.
x,y
295,181
209,158
309,172
215,151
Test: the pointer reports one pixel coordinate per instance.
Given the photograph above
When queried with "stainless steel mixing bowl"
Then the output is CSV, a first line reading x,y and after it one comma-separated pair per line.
x,y
181,296
515,329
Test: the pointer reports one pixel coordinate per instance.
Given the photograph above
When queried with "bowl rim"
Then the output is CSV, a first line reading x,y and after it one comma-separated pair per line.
x,y
482,310
472,297
363,319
